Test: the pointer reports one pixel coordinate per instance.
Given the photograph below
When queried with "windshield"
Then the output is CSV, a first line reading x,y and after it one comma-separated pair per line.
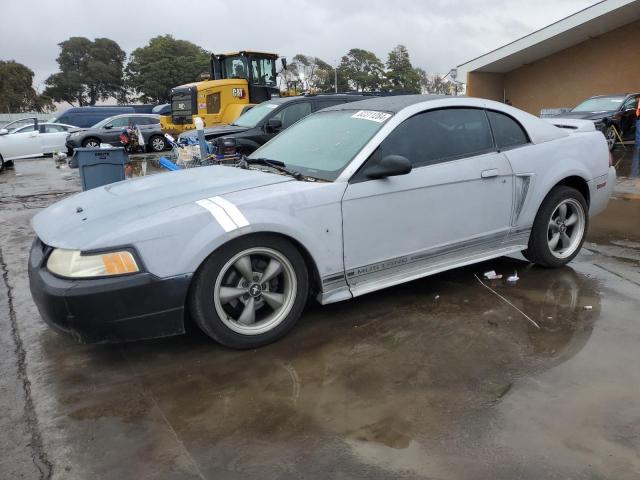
x,y
322,145
102,123
252,117
599,104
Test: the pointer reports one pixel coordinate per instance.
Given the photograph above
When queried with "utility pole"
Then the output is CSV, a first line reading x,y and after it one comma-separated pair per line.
x,y
335,79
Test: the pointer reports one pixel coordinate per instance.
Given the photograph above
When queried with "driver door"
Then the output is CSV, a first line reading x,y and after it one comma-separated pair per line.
x,y
454,205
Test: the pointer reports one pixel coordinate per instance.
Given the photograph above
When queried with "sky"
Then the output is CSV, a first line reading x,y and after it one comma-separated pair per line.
x,y
439,34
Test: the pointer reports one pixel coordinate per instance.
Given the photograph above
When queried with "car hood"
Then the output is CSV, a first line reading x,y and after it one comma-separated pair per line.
x,y
586,115
213,132
104,214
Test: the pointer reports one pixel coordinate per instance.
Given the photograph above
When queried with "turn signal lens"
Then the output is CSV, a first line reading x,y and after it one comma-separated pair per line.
x,y
71,263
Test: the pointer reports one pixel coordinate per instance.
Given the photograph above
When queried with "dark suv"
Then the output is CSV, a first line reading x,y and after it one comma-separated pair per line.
x,y
109,130
257,126
608,110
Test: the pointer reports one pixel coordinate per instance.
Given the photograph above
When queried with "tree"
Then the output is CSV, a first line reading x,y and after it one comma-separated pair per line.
x,y
314,73
362,69
164,63
400,74
89,71
16,91
439,86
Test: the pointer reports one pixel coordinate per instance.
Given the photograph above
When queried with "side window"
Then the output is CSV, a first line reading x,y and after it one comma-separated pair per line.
x,y
121,122
439,135
54,128
630,104
291,114
320,104
213,103
63,120
507,132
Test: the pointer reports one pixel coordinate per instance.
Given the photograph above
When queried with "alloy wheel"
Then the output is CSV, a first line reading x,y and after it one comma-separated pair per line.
x,y
255,291
611,138
566,228
157,144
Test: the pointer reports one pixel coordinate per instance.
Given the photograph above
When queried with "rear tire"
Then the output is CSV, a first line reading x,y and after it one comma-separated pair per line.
x,y
559,229
157,144
233,304
1,164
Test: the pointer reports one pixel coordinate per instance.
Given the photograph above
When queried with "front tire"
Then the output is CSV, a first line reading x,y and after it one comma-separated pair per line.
x,y
610,135
250,292
559,229
91,143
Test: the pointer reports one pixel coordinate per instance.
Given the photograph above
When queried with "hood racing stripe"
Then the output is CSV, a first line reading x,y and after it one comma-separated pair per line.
x,y
226,213
236,215
219,214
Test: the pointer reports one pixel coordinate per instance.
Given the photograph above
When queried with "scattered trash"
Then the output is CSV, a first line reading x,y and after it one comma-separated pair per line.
x,y
437,297
588,307
507,301
513,278
492,275
549,318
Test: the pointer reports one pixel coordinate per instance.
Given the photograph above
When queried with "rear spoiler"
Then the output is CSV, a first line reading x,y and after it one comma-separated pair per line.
x,y
572,125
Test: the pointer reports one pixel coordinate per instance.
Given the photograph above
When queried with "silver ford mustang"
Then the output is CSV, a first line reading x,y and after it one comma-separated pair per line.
x,y
352,199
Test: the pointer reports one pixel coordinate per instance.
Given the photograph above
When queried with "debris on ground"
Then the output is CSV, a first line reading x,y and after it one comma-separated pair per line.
x,y
436,297
492,275
513,278
588,307
507,301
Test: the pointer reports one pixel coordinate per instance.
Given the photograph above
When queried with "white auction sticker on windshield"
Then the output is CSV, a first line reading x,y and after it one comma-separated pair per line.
x,y
371,115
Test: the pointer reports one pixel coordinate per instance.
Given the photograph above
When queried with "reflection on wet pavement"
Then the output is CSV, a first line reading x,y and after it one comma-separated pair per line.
x,y
437,378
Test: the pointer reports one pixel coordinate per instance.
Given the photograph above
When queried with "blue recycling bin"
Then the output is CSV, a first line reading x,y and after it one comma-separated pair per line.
x,y
99,166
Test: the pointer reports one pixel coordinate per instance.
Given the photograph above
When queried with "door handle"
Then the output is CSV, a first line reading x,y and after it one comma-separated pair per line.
x,y
493,172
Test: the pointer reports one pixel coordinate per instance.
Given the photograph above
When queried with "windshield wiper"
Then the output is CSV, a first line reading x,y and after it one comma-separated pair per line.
x,y
275,164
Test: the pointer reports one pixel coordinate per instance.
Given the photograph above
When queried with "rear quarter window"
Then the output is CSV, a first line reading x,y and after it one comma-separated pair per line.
x,y
506,131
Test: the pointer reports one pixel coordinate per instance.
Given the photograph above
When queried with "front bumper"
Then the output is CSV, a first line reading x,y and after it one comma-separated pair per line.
x,y
71,146
117,309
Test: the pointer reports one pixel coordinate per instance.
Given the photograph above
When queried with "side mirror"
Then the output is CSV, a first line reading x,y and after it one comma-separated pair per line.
x,y
3,131
389,166
108,126
274,125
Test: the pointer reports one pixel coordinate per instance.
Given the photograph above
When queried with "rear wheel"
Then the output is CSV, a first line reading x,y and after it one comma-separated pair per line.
x,y
250,292
559,228
1,163
157,144
91,143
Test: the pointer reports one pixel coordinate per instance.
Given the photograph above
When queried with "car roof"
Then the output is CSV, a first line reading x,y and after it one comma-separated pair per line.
x,y
332,96
393,103
133,114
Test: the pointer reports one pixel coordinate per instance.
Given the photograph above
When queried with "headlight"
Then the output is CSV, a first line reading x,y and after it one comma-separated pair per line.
x,y
71,263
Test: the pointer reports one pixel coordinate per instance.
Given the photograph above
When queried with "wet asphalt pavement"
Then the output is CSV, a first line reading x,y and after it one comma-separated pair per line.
x,y
435,379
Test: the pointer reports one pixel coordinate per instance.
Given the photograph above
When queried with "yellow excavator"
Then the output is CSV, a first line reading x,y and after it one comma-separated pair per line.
x,y
237,81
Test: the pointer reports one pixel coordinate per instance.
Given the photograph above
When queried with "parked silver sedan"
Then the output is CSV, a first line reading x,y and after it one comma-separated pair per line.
x,y
349,200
